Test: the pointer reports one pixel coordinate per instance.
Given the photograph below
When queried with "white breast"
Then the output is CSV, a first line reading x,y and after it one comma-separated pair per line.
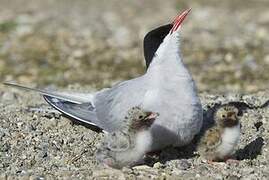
x,y
143,141
230,139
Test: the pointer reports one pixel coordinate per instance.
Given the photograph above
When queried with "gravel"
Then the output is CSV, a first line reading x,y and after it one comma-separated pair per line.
x,y
88,45
44,145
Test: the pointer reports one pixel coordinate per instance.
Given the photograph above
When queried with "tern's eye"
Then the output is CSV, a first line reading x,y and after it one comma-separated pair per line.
x,y
140,117
223,115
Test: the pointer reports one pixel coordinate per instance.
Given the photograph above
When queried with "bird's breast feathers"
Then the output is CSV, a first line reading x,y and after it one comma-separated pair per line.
x,y
230,138
143,141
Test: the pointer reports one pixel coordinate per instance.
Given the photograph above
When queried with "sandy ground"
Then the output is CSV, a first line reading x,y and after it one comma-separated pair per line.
x,y
37,143
85,46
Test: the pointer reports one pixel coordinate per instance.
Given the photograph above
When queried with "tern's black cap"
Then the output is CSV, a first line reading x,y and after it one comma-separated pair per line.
x,y
152,41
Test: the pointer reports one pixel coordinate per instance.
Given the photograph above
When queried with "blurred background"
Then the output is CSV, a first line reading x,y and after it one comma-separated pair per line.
x,y
94,43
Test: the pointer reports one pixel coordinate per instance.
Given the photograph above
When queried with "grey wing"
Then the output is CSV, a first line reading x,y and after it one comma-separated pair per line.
x,y
84,112
212,138
112,104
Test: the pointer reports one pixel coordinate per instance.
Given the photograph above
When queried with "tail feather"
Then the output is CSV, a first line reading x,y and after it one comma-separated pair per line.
x,y
75,106
63,96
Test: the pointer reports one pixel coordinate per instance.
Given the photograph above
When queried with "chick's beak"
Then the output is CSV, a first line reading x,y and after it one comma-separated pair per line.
x,y
151,116
231,115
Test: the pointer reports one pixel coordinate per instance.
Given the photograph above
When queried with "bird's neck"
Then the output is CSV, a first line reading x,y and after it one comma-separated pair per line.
x,y
168,60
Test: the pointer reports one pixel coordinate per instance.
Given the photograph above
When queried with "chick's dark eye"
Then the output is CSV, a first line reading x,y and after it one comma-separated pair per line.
x,y
223,116
140,117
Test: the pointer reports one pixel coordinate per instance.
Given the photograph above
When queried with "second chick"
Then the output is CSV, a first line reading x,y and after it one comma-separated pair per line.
x,y
218,142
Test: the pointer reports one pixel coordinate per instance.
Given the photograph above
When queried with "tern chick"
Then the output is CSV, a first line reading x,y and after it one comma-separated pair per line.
x,y
219,142
126,147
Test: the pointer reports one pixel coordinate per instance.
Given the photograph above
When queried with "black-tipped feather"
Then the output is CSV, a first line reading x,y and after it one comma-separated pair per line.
x,y
81,113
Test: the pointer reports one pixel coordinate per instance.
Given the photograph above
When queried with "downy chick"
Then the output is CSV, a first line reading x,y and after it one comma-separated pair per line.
x,y
219,142
128,146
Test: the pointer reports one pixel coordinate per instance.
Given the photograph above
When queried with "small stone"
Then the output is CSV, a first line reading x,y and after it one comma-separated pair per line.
x,y
266,59
108,174
248,170
184,164
23,156
37,177
218,176
250,62
126,170
158,165
142,167
176,172
261,33
78,53
228,57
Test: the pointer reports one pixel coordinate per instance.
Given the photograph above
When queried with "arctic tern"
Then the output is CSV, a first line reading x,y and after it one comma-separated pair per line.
x,y
167,87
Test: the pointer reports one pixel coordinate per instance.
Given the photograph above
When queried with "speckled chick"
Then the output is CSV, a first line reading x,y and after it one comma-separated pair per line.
x,y
127,146
219,142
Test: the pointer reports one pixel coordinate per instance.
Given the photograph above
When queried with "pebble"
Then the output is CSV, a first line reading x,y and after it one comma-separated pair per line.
x,y
158,165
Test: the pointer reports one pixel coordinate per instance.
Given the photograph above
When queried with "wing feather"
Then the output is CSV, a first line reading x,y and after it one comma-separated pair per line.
x,y
112,104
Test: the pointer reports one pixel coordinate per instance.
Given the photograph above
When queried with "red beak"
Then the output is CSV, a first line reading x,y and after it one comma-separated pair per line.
x,y
178,20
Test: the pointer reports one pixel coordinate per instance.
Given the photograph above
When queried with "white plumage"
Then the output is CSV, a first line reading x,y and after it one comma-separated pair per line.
x,y
230,138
